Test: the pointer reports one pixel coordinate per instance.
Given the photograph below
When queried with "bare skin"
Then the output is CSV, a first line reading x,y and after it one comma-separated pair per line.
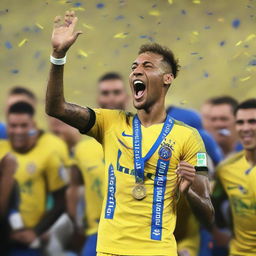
x,y
8,166
153,71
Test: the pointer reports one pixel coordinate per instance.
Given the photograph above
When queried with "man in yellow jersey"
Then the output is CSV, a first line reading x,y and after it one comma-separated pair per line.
x,y
111,94
149,157
236,179
40,170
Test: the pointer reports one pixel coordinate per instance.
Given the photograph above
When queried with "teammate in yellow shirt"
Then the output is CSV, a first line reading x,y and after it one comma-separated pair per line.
x,y
89,158
237,179
40,170
149,157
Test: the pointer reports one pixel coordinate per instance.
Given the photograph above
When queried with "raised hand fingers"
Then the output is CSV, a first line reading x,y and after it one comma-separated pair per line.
x,y
57,21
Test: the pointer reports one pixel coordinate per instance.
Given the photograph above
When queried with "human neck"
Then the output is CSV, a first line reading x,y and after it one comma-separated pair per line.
x,y
153,115
250,156
32,142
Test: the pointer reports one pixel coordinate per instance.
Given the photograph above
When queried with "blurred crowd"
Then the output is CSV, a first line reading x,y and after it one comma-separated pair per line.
x,y
51,182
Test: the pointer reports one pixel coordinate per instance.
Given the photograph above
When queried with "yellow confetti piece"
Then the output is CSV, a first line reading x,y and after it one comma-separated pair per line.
x,y
195,33
239,43
81,9
62,1
245,78
170,1
154,13
196,2
183,102
88,26
120,35
21,43
82,53
39,26
220,20
250,37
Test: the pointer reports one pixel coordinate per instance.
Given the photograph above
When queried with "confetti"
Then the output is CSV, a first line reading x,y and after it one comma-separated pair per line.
x,y
100,5
8,45
183,102
239,43
77,9
250,37
252,62
154,13
39,26
82,53
121,35
222,43
21,43
88,26
15,71
245,78
196,2
170,1
236,23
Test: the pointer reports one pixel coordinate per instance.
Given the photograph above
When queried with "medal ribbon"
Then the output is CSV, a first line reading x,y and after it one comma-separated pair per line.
x,y
139,161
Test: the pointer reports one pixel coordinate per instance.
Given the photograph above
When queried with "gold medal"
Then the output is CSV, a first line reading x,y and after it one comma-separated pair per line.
x,y
139,192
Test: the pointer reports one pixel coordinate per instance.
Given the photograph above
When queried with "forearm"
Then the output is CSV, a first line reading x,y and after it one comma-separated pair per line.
x,y
72,197
202,208
51,216
54,95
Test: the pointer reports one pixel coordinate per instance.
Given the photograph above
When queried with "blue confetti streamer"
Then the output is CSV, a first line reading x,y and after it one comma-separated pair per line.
x,y
100,5
8,45
120,17
252,63
183,12
222,43
206,74
15,71
77,4
236,23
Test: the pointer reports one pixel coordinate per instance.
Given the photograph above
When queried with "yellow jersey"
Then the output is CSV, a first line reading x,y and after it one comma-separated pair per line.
x,y
127,226
187,229
39,171
238,181
88,156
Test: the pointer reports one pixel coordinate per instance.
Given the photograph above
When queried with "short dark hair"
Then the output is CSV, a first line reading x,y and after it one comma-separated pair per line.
x,y
17,90
247,104
21,108
165,52
233,103
110,76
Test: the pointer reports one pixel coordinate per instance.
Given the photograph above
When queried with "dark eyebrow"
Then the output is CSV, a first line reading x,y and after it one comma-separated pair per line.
x,y
144,63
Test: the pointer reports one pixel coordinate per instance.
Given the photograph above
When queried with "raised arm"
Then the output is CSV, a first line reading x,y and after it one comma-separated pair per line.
x,y
63,36
196,188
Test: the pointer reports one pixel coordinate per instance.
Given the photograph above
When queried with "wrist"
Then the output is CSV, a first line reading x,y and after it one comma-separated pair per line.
x,y
58,54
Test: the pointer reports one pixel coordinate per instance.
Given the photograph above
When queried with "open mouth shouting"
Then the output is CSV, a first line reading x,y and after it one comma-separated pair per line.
x,y
139,88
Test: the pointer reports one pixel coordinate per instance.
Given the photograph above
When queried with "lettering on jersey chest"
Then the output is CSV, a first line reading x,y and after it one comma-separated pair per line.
x,y
124,162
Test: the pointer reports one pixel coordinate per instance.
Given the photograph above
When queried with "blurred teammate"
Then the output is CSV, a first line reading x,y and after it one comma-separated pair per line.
x,y
40,170
236,179
138,215
188,232
8,198
90,163
205,112
222,121
16,94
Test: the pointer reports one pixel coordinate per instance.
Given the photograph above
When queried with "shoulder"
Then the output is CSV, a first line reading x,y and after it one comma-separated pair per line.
x,y
51,140
110,113
185,130
233,159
